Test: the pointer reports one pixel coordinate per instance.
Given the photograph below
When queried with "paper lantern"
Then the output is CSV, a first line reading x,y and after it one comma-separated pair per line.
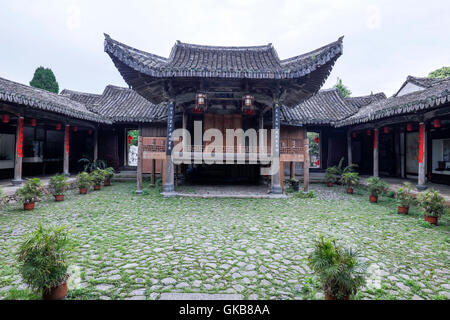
x,y
74,128
437,123
33,122
354,134
409,127
248,107
316,140
5,118
200,103
58,126
386,130
89,132
369,132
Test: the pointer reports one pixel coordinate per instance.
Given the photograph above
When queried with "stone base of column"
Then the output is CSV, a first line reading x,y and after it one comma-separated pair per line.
x,y
276,190
67,174
421,187
169,188
17,182
170,194
139,191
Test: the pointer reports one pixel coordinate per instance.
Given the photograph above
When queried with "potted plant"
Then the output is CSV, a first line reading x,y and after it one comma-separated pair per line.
x,y
109,174
295,184
43,261
350,179
97,177
376,187
84,181
59,185
30,193
340,270
331,176
433,205
404,198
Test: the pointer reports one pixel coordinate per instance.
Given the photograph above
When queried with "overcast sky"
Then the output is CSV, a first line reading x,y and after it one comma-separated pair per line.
x,y
384,40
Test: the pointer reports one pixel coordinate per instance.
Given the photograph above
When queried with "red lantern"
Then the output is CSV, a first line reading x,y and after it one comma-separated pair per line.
x,y
90,132
386,130
437,123
58,126
130,139
248,107
317,163
316,140
5,118
200,103
33,122
74,128
354,134
409,127
369,132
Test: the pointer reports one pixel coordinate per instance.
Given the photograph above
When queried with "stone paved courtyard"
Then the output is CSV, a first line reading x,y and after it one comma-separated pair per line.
x,y
137,247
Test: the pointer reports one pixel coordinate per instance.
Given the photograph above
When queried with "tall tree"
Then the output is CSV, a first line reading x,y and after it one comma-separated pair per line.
x,y
345,91
44,78
443,72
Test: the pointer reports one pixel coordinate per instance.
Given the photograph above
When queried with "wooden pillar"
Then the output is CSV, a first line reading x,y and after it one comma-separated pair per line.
x,y
375,153
292,170
139,162
276,118
422,157
153,171
282,175
169,172
95,144
19,153
306,161
402,154
349,146
66,150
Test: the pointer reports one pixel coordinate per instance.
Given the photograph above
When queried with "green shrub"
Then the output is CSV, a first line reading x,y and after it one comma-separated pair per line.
x,y
43,258
432,203
109,173
31,191
340,271
376,186
331,174
350,179
58,184
404,196
305,195
97,176
84,180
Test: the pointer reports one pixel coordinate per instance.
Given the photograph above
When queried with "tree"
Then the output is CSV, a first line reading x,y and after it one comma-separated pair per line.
x,y
443,72
345,91
44,78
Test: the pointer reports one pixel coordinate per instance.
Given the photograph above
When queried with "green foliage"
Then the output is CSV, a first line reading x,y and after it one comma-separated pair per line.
x,y
89,166
97,176
376,186
350,179
44,78
42,258
432,203
345,91
331,174
109,173
31,191
404,196
443,72
340,270
135,135
2,197
59,184
84,180
305,195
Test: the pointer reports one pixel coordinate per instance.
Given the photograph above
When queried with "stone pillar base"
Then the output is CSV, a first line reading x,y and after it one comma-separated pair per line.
x,y
276,190
170,194
168,188
17,182
139,191
421,187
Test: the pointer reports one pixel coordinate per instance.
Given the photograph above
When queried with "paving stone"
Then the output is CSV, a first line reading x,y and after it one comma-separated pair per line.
x,y
167,281
200,296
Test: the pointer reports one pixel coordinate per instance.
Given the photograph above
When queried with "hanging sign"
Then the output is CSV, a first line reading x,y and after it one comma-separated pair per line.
x,y
170,127
20,139
421,133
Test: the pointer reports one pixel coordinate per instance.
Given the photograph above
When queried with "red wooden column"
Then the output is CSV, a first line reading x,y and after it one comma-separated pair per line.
x,y
19,153
422,152
66,150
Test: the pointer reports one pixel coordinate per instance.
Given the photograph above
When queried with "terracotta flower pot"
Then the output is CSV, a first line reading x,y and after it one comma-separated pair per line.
x,y
373,199
432,220
331,297
28,206
97,187
330,184
83,190
56,293
107,183
349,190
59,197
403,210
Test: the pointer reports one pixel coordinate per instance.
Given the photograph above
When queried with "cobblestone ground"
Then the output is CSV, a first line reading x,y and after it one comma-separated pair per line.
x,y
136,247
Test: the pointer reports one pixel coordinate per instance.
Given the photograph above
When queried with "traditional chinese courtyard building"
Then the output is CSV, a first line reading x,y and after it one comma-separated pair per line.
x,y
208,87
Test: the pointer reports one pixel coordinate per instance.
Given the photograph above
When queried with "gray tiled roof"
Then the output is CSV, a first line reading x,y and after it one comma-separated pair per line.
x,y
254,62
87,99
365,100
326,107
421,82
431,97
35,98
